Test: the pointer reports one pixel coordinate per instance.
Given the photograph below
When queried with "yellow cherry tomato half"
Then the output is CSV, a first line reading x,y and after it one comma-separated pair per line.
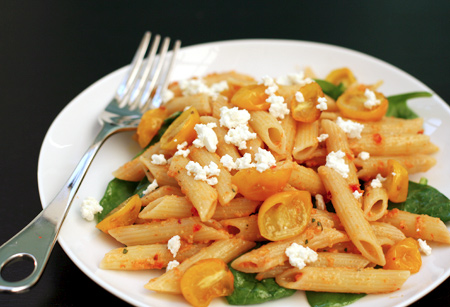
x,y
206,280
306,110
285,215
341,75
353,104
256,185
397,182
125,214
149,125
181,130
251,97
404,255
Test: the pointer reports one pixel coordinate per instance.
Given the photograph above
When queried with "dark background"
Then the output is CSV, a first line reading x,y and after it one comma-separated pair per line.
x,y
50,51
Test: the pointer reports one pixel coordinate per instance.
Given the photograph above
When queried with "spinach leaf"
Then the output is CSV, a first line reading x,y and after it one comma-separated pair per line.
x,y
116,192
398,106
327,299
248,290
334,91
424,199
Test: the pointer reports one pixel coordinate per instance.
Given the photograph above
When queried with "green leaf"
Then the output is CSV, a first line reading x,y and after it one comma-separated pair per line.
x,y
248,290
398,106
326,299
116,193
334,91
424,199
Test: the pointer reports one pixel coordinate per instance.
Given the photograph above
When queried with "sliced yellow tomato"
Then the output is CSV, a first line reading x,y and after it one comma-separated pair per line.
x,y
181,130
206,280
125,214
341,75
258,186
285,215
149,125
251,97
404,255
306,111
397,182
351,104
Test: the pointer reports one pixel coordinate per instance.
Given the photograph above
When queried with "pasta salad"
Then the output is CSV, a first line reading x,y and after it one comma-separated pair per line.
x,y
276,184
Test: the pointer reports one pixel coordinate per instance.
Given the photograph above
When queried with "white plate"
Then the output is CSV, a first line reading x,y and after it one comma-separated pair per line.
x,y
75,127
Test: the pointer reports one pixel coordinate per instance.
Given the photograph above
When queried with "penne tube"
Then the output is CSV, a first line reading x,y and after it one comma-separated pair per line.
x,y
304,178
168,206
392,125
217,103
351,216
226,250
273,254
189,229
269,130
199,101
202,195
306,142
244,227
160,192
146,257
391,145
238,207
375,165
418,226
343,280
375,202
226,190
387,234
158,172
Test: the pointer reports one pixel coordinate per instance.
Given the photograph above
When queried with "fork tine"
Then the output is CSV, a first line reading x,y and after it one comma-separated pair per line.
x,y
130,77
157,98
136,93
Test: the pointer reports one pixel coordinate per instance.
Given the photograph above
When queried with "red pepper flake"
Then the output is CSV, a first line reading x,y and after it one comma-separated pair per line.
x,y
420,131
194,211
196,227
354,187
377,138
298,276
155,257
40,237
179,221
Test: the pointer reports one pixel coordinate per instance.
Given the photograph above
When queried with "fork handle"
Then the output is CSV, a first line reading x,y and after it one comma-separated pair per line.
x,y
37,239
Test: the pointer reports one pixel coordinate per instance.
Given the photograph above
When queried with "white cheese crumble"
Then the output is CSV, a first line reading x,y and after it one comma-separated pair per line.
x,y
167,95
244,162
233,117
364,155
372,100
424,247
158,159
151,187
357,194
264,160
181,151
89,207
172,264
174,245
322,137
353,129
320,202
277,108
322,104
206,137
207,173
294,79
377,182
239,136
299,97
197,86
227,162
336,161
299,255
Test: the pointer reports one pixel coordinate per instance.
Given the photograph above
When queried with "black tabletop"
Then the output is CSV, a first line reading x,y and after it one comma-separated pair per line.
x,y
50,51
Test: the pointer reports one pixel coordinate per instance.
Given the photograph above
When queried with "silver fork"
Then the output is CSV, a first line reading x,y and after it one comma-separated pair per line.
x,y
133,97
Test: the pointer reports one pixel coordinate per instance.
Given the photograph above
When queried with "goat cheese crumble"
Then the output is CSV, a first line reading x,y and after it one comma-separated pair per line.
x,y
299,255
424,247
322,104
89,207
174,245
181,151
172,264
364,155
151,187
198,86
322,137
372,100
336,161
207,173
206,137
158,159
294,79
377,182
353,129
